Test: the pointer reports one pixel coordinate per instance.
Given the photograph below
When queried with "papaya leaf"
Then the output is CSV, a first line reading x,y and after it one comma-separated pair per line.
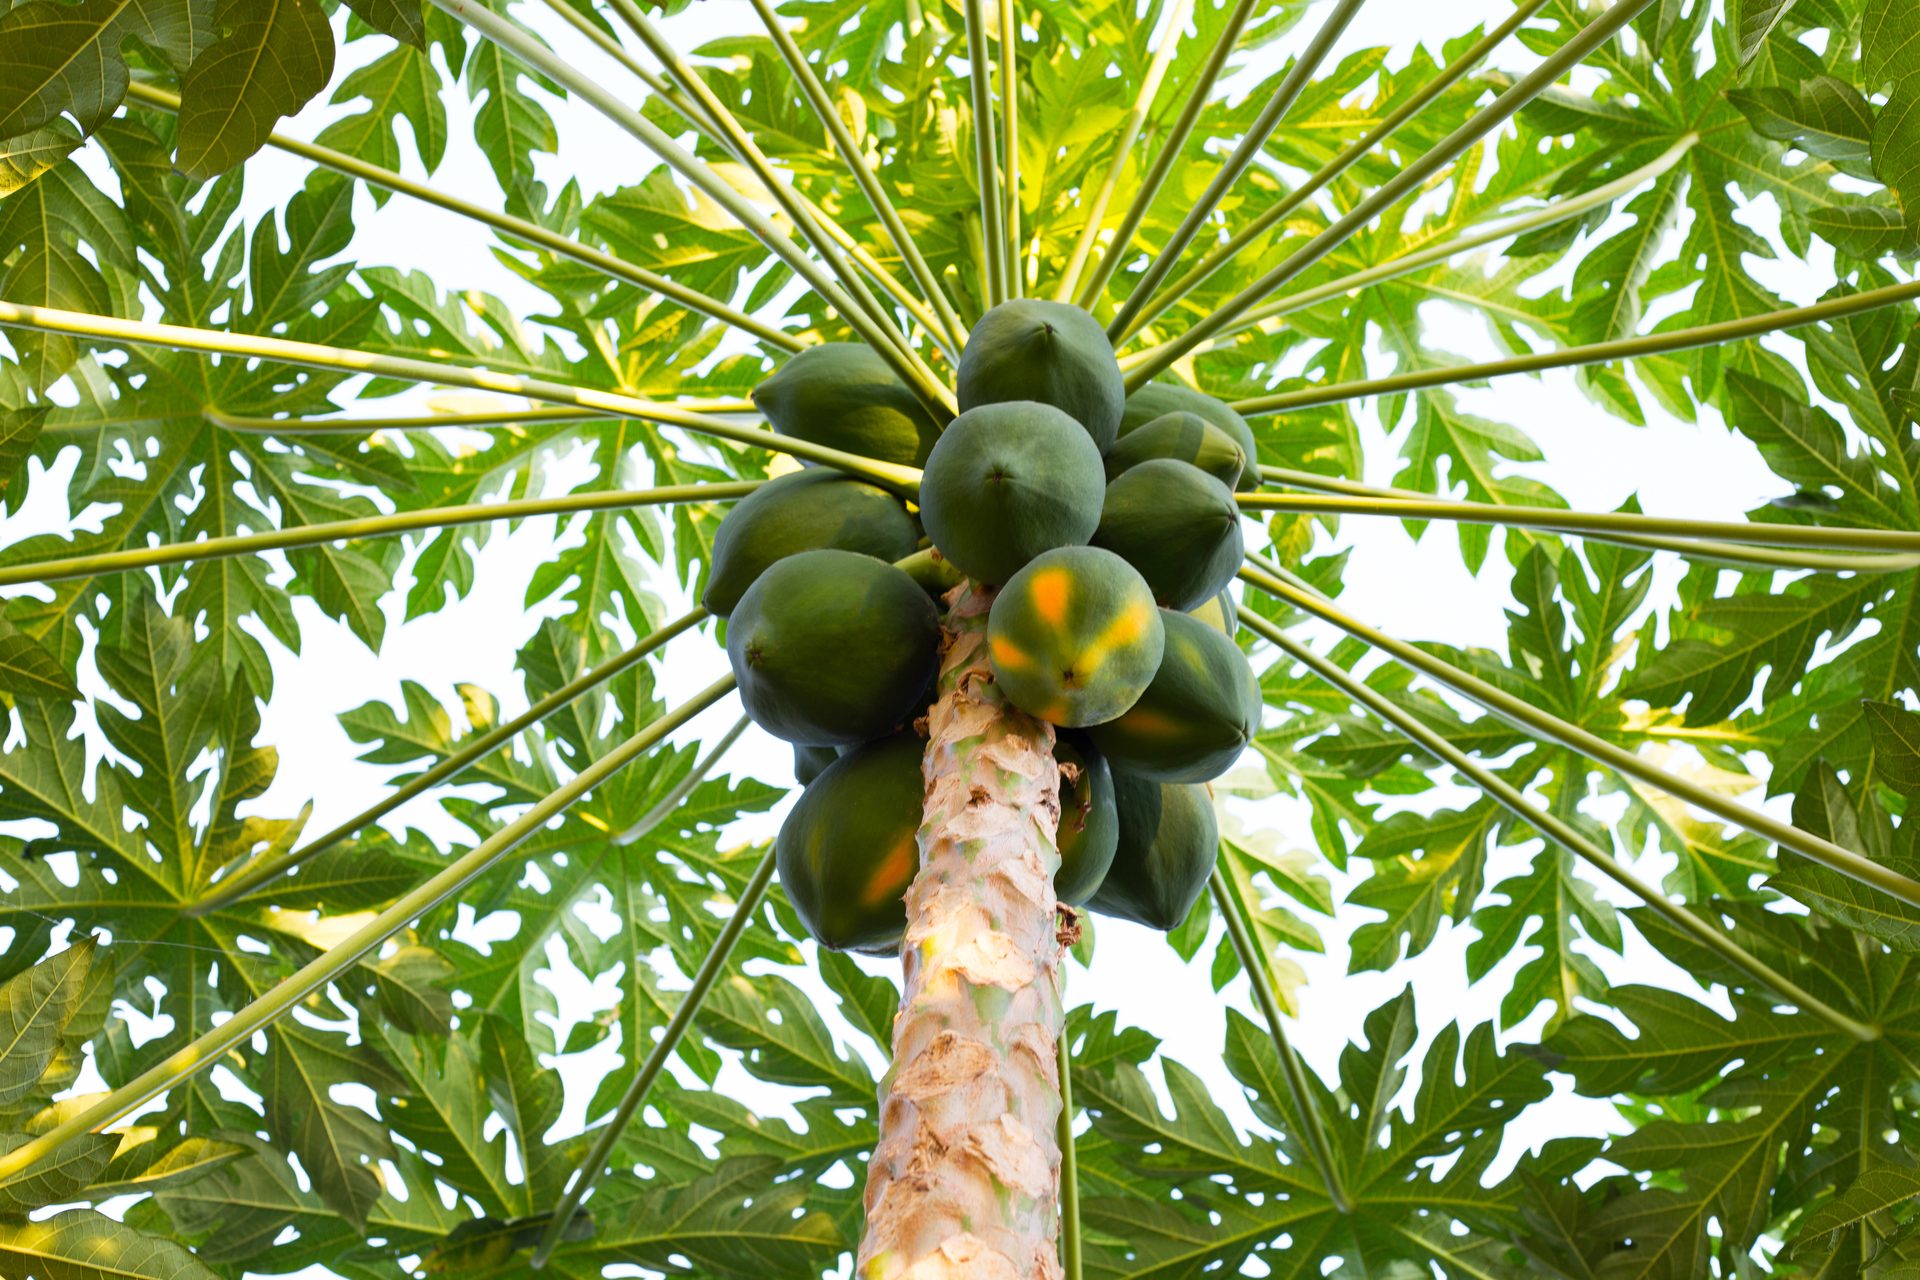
x,y
272,58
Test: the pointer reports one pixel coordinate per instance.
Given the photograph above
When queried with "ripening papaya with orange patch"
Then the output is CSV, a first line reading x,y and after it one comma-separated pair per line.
x,y
1086,632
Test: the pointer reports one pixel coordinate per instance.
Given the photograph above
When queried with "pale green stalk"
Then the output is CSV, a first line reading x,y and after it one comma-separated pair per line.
x,y
210,1048
1285,94
1070,1267
684,788
431,421
1468,135
249,879
518,228
1563,521
1557,830
986,171
1556,212
1652,344
1325,175
312,535
1704,549
594,1164
948,330
1313,1131
1136,116
511,38
806,216
1169,155
905,480
701,120
1543,725
1010,135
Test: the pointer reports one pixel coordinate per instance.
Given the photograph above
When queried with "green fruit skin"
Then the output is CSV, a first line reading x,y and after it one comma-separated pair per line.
x,y
1185,437
1089,828
1168,842
1029,349
849,848
1178,526
1157,399
844,396
833,648
1220,613
1074,638
1007,482
1196,718
808,762
803,511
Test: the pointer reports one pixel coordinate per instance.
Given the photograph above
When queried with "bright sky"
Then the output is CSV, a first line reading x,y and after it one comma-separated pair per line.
x,y
1418,590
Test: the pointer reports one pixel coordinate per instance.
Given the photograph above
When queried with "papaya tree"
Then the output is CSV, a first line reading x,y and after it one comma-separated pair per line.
x,y
997,378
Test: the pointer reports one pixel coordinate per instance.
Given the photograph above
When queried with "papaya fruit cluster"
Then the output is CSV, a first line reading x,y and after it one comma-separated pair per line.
x,y
1106,524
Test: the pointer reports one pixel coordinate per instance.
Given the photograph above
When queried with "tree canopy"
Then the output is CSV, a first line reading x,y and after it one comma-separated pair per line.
x,y
224,386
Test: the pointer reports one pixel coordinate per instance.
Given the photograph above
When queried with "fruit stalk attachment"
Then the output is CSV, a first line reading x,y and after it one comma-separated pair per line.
x,y
963,1181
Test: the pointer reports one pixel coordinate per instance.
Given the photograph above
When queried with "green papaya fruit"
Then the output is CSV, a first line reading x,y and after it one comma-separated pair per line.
x,y
808,762
1168,842
833,648
1178,526
1029,349
801,511
849,848
1007,482
1074,638
1221,613
1185,437
844,396
1089,829
1197,716
1159,398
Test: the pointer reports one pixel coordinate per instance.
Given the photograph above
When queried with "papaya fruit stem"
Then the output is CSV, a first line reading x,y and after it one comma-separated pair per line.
x,y
1483,122
964,1180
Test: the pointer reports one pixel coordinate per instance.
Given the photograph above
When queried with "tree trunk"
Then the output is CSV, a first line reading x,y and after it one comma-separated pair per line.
x,y
964,1181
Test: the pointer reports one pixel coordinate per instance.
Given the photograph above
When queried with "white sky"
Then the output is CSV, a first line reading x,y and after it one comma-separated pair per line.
x,y
1416,590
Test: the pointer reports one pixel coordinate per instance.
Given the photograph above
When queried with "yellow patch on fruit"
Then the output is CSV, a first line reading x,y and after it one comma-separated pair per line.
x,y
1048,591
1122,631
892,875
1150,722
1008,655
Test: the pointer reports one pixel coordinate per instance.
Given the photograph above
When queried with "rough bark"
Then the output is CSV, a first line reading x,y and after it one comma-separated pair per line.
x,y
964,1181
